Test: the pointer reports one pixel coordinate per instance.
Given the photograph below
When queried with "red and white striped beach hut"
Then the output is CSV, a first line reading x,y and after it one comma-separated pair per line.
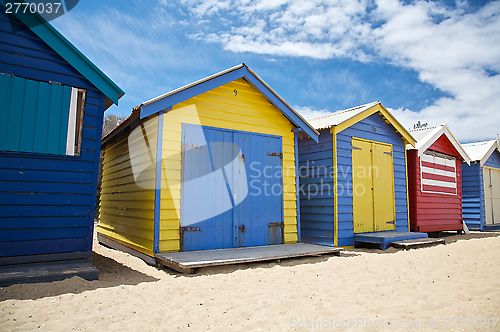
x,y
434,180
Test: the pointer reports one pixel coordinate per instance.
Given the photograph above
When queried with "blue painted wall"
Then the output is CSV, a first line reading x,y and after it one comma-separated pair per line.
x,y
473,207
493,160
316,189
472,195
317,212
47,202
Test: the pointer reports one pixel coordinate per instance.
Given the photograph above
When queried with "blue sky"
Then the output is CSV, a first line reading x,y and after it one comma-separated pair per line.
x,y
433,61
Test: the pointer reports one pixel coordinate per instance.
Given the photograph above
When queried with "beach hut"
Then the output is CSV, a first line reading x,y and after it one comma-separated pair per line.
x,y
353,185
52,102
434,179
210,165
481,186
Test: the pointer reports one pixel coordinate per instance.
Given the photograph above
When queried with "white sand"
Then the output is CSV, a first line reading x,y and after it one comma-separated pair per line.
x,y
458,280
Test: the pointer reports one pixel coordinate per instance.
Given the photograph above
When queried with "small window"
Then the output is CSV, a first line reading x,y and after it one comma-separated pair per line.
x,y
40,117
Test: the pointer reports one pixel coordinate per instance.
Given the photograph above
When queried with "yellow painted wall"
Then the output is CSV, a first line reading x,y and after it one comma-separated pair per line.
x,y
127,199
246,110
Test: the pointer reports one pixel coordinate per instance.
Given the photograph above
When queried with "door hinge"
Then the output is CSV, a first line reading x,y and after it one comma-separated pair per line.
x,y
355,148
390,222
389,153
274,154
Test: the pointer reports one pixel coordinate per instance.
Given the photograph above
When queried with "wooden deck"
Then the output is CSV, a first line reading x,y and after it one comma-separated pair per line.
x,y
187,262
416,243
46,272
384,239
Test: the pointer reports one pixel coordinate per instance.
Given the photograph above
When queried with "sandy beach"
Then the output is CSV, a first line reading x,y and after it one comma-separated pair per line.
x,y
452,287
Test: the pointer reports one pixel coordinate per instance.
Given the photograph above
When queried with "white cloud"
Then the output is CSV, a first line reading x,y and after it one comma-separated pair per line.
x,y
452,49
309,113
452,55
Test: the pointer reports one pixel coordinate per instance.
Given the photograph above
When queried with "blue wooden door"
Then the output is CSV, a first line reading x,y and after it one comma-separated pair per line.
x,y
231,189
259,217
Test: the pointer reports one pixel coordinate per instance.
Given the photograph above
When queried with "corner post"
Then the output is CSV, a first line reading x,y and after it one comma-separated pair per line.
x,y
159,148
333,131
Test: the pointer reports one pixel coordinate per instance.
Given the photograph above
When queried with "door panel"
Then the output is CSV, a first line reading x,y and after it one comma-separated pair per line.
x,y
383,187
206,207
226,196
362,184
373,187
491,178
488,207
263,206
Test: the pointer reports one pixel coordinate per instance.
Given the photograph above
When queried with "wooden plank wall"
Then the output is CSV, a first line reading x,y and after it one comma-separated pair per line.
x,y
472,198
46,201
316,189
127,204
439,212
247,110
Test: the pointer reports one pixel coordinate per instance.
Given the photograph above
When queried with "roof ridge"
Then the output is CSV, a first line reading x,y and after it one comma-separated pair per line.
x,y
424,128
342,111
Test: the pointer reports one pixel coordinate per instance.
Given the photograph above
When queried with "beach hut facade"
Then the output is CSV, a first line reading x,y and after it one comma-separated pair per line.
x,y
51,105
354,181
210,165
481,186
435,185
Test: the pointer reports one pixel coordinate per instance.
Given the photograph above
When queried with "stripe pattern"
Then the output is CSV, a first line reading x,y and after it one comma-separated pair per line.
x,y
438,174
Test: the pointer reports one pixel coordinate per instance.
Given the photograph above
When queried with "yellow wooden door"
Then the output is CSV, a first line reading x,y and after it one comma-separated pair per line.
x,y
383,188
488,207
373,187
495,190
491,179
362,186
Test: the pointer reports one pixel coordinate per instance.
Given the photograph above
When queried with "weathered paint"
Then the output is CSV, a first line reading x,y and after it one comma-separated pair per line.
x,y
247,110
327,218
473,194
47,201
227,197
127,210
433,212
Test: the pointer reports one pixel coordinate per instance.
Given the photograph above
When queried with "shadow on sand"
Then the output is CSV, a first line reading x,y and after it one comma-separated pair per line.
x,y
111,274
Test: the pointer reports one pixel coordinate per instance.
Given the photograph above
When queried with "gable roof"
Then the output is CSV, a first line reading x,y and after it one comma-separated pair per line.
x,y
45,31
186,92
428,135
481,151
346,118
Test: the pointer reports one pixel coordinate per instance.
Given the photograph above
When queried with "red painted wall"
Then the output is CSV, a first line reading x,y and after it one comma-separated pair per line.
x,y
431,212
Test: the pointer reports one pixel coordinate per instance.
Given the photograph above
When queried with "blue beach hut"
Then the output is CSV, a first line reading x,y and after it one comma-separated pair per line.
x,y
52,101
353,183
481,186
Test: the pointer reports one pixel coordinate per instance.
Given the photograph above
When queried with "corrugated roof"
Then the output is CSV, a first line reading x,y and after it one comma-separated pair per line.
x,y
420,133
336,118
428,135
481,151
345,118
